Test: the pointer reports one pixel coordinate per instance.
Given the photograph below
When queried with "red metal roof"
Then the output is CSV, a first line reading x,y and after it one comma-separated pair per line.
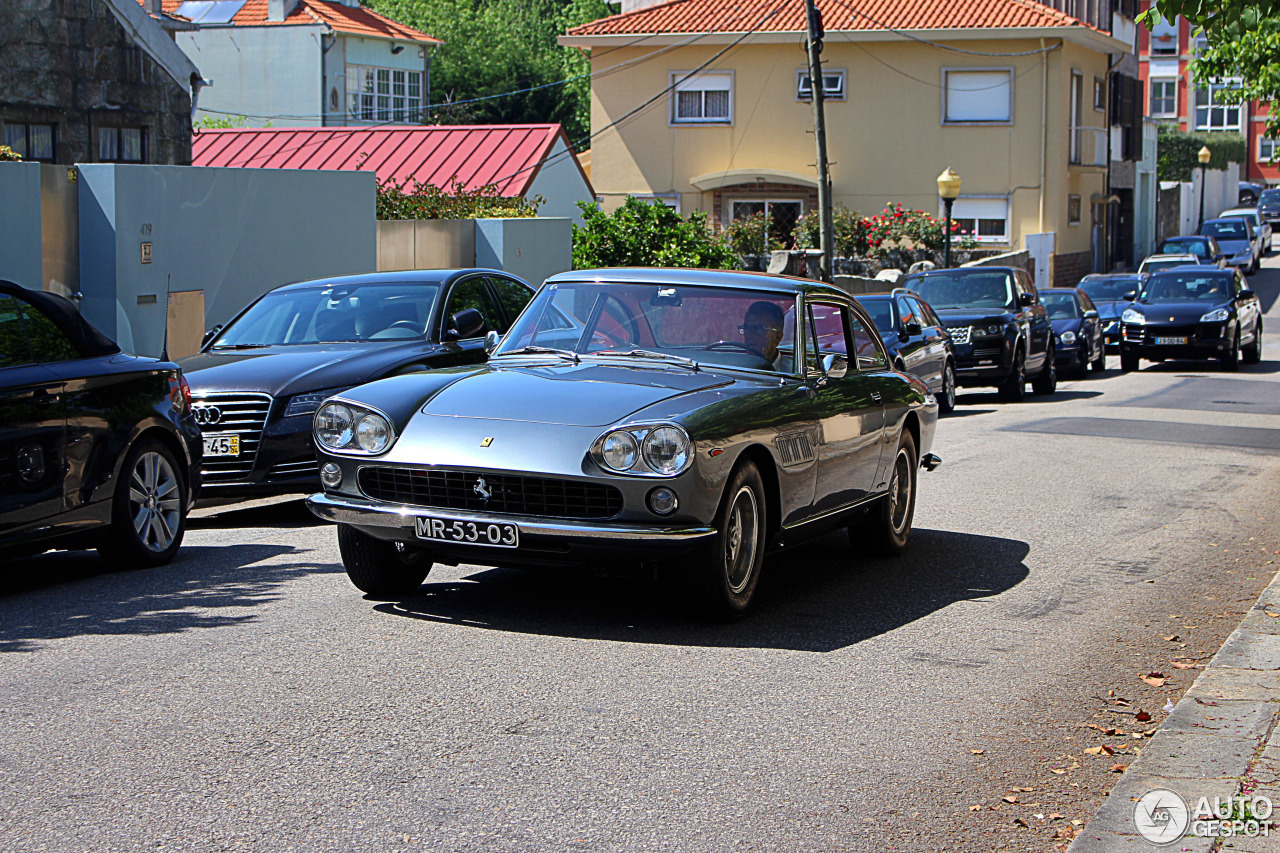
x,y
507,156
341,18
740,16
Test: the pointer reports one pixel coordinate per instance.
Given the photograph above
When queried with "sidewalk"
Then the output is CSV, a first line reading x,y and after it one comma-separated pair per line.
x,y
1221,740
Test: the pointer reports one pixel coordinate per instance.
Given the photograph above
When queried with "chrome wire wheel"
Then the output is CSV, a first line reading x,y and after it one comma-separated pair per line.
x,y
155,501
948,399
741,540
900,492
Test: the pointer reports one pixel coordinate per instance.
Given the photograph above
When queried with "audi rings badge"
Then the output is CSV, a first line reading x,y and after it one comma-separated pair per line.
x,y
206,415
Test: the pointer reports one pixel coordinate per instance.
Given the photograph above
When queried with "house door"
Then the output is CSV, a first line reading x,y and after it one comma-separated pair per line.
x,y
780,217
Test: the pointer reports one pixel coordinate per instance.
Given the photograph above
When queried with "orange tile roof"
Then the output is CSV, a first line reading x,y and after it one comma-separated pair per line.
x,y
339,17
740,16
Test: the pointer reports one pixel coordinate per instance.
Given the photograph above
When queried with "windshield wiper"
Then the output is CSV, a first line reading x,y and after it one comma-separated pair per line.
x,y
537,350
646,353
240,346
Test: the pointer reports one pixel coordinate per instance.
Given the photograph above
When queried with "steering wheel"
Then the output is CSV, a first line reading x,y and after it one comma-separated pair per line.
x,y
730,345
406,324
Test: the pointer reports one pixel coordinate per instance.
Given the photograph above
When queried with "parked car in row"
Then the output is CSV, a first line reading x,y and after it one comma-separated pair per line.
x,y
1269,206
1241,248
1249,193
1193,312
917,341
1077,328
1001,332
257,382
1111,294
1156,263
1205,249
698,420
1261,227
98,448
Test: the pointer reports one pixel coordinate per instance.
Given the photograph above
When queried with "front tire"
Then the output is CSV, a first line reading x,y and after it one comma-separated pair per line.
x,y
1129,362
730,565
1047,381
1099,364
886,527
1253,353
947,398
1014,389
1231,361
378,567
148,510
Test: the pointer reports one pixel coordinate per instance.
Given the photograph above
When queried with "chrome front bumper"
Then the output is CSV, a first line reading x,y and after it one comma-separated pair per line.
x,y
365,513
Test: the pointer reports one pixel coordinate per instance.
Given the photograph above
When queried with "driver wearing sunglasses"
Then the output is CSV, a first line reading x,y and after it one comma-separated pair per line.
x,y
761,330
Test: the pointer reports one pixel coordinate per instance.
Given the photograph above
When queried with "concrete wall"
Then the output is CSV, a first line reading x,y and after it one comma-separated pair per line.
x,y
20,252
530,248
232,233
271,71
410,244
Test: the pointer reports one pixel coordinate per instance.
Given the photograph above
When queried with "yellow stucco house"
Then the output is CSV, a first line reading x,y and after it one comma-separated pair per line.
x,y
705,105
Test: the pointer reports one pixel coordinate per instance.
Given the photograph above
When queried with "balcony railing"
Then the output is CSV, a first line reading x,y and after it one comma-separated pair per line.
x,y
1088,146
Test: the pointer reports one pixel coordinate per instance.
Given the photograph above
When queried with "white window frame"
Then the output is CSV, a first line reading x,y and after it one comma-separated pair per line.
x,y
686,81
1268,143
1227,83
671,200
1151,98
389,98
838,93
1007,118
975,206
1160,30
1099,88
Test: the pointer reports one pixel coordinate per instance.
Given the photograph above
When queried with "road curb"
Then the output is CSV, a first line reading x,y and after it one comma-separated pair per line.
x,y
1220,740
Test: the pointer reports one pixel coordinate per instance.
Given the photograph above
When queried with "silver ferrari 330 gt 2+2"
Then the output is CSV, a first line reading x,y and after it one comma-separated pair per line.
x,y
690,419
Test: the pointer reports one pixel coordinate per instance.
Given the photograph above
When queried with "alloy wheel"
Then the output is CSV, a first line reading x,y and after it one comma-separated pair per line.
x,y
155,504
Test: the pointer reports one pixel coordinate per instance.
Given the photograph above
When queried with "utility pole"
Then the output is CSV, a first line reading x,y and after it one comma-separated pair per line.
x,y
814,18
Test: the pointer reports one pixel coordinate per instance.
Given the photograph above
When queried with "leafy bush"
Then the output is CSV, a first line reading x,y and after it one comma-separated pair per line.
x,y
7,153
850,232
222,122
647,234
427,201
750,235
857,236
1179,152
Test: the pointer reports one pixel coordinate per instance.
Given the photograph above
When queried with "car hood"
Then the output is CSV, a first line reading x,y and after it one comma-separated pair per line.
x,y
287,370
566,394
1178,312
958,317
1066,324
1111,310
1235,247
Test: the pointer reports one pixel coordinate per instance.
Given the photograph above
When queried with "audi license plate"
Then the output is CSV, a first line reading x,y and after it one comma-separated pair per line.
x,y
498,535
1171,341
222,445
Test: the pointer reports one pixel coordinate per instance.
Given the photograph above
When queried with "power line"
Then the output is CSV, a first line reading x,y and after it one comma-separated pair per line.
x,y
907,35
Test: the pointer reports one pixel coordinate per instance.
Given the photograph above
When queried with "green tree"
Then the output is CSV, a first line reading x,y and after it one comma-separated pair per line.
x,y
647,234
1180,152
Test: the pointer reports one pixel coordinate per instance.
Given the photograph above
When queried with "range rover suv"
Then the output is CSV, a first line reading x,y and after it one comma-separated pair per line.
x,y
1001,331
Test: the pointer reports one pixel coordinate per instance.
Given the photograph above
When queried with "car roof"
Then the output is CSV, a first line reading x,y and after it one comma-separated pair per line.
x,y
731,279
1169,256
441,276
1223,218
1198,269
1107,276
1238,211
1185,237
961,271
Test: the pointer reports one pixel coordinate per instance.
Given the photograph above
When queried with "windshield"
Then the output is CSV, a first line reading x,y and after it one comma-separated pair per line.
x,y
650,322
1225,230
881,311
965,289
1165,264
1269,197
1251,215
1061,306
368,312
1188,286
1199,248
1109,289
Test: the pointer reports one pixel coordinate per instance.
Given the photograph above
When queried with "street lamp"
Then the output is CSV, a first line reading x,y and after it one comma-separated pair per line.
x,y
948,190
1203,156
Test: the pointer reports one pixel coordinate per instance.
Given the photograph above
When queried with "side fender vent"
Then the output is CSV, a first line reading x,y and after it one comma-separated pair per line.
x,y
794,449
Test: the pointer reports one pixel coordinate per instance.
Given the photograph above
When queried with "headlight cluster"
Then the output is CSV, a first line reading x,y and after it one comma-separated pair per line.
x,y
663,449
989,330
1218,316
305,404
1132,316
348,428
1068,337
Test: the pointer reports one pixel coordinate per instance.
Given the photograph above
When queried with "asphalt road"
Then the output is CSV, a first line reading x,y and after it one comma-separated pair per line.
x,y
248,698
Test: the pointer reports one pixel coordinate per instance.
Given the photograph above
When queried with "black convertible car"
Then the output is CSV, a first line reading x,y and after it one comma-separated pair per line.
x,y
98,449
257,381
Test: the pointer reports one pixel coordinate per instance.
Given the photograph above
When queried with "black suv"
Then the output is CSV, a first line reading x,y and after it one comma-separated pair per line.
x,y
1001,331
917,341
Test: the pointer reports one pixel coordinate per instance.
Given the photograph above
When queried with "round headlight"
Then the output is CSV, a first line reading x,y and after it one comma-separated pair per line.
x,y
667,450
334,425
1132,315
1068,337
373,433
620,450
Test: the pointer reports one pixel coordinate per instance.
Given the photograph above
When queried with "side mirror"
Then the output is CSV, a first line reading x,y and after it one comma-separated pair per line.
x,y
912,329
467,323
210,335
491,342
1091,314
1130,296
1026,300
1244,294
835,366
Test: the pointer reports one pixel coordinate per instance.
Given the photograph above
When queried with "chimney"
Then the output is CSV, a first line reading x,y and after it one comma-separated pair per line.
x,y
637,5
278,10
153,7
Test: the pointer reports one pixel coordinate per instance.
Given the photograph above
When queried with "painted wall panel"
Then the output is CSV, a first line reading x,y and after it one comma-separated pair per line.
x,y
530,248
562,184
272,75
20,234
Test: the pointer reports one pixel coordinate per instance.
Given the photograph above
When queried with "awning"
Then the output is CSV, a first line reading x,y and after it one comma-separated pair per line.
x,y
738,177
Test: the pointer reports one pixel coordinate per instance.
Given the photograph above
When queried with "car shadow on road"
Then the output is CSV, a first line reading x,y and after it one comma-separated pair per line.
x,y
75,593
965,412
1209,368
1061,396
816,598
289,514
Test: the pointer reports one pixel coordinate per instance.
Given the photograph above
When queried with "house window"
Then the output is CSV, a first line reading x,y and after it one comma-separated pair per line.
x,y
1164,38
30,141
1164,97
1211,113
671,200
985,219
1099,94
1266,149
122,144
780,214
832,85
1077,110
702,98
387,95
976,96
1073,210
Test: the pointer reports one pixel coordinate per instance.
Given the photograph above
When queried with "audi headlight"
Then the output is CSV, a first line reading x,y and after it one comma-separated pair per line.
x,y
351,428
1217,316
306,404
620,450
1068,337
1131,315
664,450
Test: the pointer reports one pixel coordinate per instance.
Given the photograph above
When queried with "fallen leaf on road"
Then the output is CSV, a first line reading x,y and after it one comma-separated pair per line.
x,y
1054,770
975,808
1019,821
1055,816
1077,823
1100,750
1117,768
1023,790
1180,665
1039,817
1112,692
1010,799
1273,615
1173,638
1155,679
978,751
1142,716
1205,701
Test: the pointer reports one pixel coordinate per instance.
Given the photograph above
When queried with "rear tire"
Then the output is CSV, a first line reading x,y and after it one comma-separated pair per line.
x,y
1014,389
148,510
381,568
886,527
729,567
1252,354
947,398
1129,362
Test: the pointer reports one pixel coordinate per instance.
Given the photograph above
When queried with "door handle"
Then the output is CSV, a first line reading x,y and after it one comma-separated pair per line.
x,y
875,396
44,398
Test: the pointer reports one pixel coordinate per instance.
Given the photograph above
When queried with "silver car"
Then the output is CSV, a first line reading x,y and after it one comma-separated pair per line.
x,y
688,419
1261,227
